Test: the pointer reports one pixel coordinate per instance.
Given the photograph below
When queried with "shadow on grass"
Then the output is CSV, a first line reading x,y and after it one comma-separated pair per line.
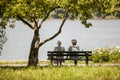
x,y
54,66
27,67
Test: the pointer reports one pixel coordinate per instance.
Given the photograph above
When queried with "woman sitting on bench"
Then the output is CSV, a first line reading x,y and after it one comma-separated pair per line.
x,y
59,48
74,48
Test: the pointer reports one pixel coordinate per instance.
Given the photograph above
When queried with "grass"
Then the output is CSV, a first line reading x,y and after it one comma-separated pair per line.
x,y
13,62
40,62
60,73
47,62
22,62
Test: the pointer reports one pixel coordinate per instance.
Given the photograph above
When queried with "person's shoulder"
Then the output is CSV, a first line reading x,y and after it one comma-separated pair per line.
x,y
77,46
63,48
70,47
55,47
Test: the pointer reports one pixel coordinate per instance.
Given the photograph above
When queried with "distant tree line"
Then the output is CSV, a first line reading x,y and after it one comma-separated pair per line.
x,y
57,14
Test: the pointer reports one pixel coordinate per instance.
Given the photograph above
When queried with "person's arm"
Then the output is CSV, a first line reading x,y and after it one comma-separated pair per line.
x,y
70,48
78,48
63,49
55,49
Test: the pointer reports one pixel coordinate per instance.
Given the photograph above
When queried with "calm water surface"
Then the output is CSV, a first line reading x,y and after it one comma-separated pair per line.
x,y
103,33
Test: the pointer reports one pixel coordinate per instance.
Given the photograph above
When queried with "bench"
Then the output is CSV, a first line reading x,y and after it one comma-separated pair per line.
x,y
67,54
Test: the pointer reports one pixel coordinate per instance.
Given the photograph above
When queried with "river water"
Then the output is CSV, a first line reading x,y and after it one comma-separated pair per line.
x,y
103,33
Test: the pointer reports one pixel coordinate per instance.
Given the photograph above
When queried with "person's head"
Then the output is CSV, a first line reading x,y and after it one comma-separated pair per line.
x,y
59,43
74,41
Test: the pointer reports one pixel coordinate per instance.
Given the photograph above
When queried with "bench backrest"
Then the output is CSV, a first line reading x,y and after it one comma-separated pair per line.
x,y
68,53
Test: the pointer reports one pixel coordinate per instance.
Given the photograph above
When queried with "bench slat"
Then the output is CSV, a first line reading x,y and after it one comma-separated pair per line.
x,y
68,54
68,59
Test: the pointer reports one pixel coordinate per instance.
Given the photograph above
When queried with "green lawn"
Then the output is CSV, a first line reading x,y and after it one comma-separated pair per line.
x,y
60,73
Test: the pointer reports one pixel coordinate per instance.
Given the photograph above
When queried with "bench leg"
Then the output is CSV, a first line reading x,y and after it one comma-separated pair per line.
x,y
86,63
86,59
75,62
51,61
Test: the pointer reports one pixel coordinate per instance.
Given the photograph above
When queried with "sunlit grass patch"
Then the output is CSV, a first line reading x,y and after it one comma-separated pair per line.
x,y
60,73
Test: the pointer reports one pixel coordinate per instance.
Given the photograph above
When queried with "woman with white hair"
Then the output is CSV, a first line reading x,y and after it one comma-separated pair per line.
x,y
74,47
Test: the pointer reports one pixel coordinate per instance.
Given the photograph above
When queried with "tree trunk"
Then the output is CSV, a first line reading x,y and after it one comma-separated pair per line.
x,y
35,45
33,55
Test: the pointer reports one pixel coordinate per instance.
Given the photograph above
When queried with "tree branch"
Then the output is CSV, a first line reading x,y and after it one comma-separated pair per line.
x,y
47,15
34,18
59,31
24,21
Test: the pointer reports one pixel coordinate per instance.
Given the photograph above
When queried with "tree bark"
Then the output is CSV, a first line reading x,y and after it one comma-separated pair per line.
x,y
33,55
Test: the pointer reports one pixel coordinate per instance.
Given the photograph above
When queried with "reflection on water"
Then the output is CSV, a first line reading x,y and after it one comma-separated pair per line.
x,y
103,33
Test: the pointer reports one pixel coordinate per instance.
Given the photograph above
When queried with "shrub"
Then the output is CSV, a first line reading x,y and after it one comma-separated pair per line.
x,y
106,55
115,56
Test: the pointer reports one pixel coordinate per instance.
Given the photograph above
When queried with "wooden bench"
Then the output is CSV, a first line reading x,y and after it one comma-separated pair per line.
x,y
67,54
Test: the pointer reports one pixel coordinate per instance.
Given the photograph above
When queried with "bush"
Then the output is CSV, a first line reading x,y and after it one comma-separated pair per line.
x,y
115,56
106,55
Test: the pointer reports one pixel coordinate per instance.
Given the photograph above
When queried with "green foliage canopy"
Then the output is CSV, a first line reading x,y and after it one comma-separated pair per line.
x,y
32,10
